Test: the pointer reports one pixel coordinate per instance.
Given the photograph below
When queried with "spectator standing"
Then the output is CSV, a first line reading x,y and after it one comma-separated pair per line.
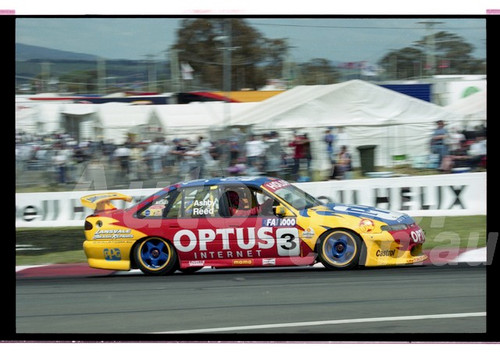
x,y
205,160
343,167
178,151
163,150
234,148
60,161
135,162
154,151
122,155
234,151
307,154
298,153
329,140
192,161
439,141
341,139
255,149
274,154
108,148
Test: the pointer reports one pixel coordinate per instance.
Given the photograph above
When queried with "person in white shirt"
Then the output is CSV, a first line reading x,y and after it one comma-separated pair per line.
x,y
60,161
122,154
255,148
478,148
455,139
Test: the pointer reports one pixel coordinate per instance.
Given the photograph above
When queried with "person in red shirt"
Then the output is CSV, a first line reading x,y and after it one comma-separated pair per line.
x,y
298,143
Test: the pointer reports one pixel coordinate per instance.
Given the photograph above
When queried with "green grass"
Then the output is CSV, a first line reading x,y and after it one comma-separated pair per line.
x,y
50,246
67,257
64,245
454,231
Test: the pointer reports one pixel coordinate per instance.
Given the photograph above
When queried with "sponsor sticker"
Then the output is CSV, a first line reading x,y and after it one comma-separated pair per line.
x,y
228,243
269,262
385,253
276,185
308,233
196,263
112,234
275,222
243,262
418,236
112,254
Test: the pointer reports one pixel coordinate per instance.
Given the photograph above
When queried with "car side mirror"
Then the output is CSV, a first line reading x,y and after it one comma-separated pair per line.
x,y
283,211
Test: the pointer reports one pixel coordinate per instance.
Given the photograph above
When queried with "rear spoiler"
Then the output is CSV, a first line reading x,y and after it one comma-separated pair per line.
x,y
102,201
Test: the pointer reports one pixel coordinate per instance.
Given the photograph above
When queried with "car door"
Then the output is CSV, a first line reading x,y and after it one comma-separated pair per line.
x,y
195,222
259,233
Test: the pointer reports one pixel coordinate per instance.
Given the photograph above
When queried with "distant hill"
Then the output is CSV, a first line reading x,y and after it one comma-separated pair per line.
x,y
26,52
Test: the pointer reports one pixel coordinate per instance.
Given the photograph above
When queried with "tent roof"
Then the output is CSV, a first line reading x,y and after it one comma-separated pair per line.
x,y
198,115
49,112
124,115
351,103
78,109
474,105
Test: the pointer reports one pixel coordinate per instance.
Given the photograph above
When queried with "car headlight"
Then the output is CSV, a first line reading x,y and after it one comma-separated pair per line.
x,y
396,227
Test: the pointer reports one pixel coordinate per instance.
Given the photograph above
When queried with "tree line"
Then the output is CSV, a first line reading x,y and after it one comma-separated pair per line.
x,y
254,59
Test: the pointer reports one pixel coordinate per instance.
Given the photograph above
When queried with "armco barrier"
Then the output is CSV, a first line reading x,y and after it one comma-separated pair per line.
x,y
439,195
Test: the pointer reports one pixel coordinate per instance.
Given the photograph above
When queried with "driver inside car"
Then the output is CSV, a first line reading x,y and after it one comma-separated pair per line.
x,y
243,204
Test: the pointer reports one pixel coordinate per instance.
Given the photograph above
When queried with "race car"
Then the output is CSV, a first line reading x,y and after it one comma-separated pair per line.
x,y
243,222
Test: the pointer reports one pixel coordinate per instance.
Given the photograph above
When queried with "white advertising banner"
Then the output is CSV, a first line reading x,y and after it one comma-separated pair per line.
x,y
436,195
439,195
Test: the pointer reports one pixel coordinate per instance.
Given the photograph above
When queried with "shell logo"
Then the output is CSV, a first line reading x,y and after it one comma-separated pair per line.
x,y
366,225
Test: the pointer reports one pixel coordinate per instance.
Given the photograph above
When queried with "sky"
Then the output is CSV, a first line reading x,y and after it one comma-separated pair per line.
x,y
336,39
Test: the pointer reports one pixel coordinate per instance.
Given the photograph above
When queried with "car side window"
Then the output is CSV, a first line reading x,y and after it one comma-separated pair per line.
x,y
174,210
200,202
243,201
266,202
159,207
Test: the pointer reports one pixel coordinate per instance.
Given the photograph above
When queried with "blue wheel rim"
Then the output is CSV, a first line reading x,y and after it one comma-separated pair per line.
x,y
155,254
340,248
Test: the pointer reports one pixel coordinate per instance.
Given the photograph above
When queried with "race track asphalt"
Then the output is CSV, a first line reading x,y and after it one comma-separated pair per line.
x,y
291,304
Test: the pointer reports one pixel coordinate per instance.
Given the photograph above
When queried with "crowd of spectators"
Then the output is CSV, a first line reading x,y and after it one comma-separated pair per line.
x,y
459,150
63,160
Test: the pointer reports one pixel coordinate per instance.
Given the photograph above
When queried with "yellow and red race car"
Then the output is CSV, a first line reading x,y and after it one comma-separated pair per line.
x,y
243,222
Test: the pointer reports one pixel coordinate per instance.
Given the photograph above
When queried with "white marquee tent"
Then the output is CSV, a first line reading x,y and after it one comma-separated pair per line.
x,y
200,118
369,115
472,107
78,120
39,117
115,120
48,118
26,115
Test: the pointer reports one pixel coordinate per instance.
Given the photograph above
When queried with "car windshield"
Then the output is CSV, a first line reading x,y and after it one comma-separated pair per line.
x,y
297,198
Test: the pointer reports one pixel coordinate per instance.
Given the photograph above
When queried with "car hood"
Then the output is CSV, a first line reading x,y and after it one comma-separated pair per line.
x,y
388,216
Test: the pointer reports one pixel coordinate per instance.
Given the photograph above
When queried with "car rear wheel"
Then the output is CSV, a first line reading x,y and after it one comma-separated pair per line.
x,y
339,249
155,256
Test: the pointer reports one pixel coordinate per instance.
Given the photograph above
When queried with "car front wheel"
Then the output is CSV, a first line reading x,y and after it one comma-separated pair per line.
x,y
339,249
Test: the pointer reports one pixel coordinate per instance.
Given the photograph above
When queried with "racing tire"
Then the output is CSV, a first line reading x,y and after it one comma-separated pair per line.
x,y
339,249
155,256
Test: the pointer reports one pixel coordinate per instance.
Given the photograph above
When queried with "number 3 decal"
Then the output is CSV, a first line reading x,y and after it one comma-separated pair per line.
x,y
288,242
